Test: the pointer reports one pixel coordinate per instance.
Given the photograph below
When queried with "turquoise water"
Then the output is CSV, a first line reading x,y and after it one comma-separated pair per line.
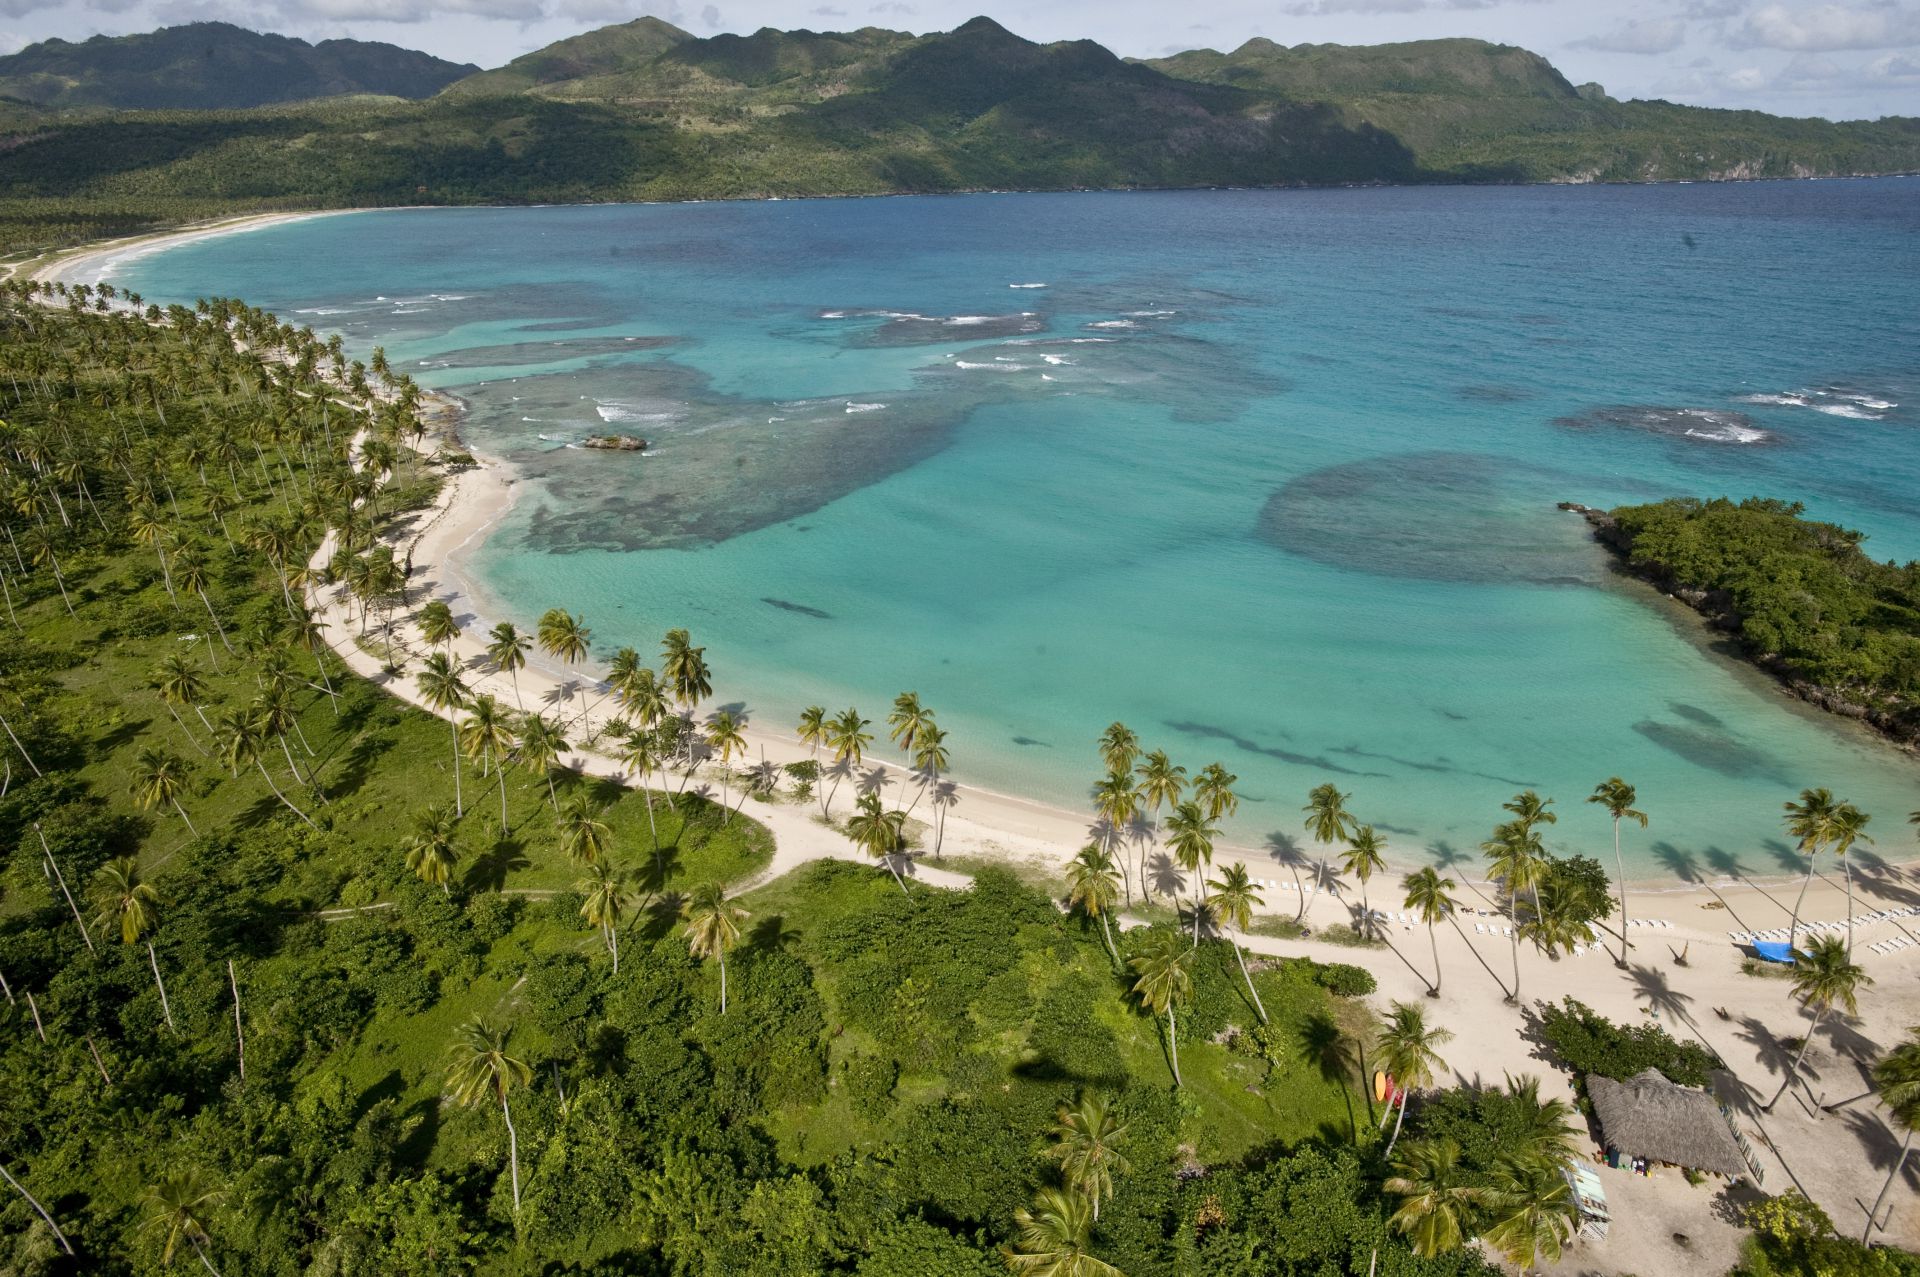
x,y
1268,475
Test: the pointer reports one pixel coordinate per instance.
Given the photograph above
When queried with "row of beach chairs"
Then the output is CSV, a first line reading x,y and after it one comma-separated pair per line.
x,y
1891,946
1650,922
1861,920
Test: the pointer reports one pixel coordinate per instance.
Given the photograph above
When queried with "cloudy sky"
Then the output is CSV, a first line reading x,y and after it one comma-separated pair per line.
x,y
1846,60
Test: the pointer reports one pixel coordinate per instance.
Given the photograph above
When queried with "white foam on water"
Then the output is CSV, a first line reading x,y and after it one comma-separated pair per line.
x,y
996,366
833,314
1853,412
1152,314
967,321
865,407
1728,433
420,310
1056,361
1026,285
1788,400
1113,323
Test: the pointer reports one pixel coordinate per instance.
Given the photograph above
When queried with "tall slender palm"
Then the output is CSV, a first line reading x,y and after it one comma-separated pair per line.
x,y
1824,976
1618,797
1233,901
930,759
1517,861
508,652
1190,837
1213,790
1086,1140
1118,803
879,833
123,902
641,757
585,835
1530,809
1533,1211
1094,885
177,679
848,737
1161,784
1163,982
160,777
608,899
1438,1197
725,740
1328,822
813,728
564,636
1810,822
1427,895
180,1206
641,696
907,721
1362,859
240,739
431,855
1409,1051
1119,749
713,927
1053,1238
190,569
437,625
684,668
542,746
1896,1075
480,1070
486,737
1849,828
444,691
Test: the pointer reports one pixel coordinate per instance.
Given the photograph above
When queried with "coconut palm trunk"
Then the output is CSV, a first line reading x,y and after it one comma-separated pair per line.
x,y
1248,977
165,1008
1173,1045
268,777
1513,934
1433,938
1793,1070
1620,879
40,1210
183,815
1793,926
1898,1162
459,809
1398,1122
723,982
513,1150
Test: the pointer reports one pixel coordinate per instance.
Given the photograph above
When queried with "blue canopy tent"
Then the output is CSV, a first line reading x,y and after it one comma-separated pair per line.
x,y
1774,950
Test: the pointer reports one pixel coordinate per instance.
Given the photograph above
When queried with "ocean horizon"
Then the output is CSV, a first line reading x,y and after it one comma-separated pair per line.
x,y
1269,475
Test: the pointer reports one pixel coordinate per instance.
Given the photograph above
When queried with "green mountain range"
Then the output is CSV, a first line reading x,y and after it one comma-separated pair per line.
x,y
215,66
644,110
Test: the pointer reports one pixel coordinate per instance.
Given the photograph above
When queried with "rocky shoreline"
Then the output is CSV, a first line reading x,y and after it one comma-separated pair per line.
x,y
1892,718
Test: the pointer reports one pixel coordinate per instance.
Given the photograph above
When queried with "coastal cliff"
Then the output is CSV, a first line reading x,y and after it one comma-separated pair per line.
x,y
1730,599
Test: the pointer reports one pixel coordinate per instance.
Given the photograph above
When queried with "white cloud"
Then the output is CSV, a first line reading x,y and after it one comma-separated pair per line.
x,y
411,10
1895,68
600,12
711,17
1829,27
1640,35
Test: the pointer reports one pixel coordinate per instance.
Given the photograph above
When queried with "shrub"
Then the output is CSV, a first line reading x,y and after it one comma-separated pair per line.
x,y
1588,1042
867,1081
1344,980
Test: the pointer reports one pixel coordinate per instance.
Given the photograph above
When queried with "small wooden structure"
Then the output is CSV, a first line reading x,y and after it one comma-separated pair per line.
x,y
1649,1117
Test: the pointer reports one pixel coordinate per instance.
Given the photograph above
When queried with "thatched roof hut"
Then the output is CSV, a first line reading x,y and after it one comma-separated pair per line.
x,y
1648,1116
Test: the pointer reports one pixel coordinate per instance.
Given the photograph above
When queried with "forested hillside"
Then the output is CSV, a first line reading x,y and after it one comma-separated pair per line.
x,y
214,66
645,111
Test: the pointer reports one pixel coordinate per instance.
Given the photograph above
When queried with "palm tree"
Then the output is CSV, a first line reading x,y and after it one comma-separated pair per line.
x,y
192,571
1407,1050
240,738
1052,1238
1824,976
1094,885
1517,861
562,635
160,777
1362,859
1810,821
725,740
608,898
1437,1197
639,693
1213,790
437,625
1118,803
1161,784
907,721
508,652
1427,897
1328,822
123,901
181,1204
1163,982
444,691
177,680
641,758
1558,921
542,745
1530,809
1896,1075
1233,901
585,835
1618,797
431,855
1849,827
1190,837
1543,1130
1533,1211
848,738
480,1071
1119,749
684,667
879,833
713,927
1086,1137
930,759
485,736
813,728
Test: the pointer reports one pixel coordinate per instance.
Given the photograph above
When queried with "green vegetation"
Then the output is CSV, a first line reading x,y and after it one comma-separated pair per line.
x,y
1803,598
645,111
1587,1042
214,66
1792,1235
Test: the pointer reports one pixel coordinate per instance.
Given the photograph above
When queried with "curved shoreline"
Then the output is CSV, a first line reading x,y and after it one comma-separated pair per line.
x,y
473,502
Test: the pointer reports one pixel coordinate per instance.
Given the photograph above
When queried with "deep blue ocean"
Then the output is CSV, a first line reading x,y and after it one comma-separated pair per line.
x,y
1270,476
